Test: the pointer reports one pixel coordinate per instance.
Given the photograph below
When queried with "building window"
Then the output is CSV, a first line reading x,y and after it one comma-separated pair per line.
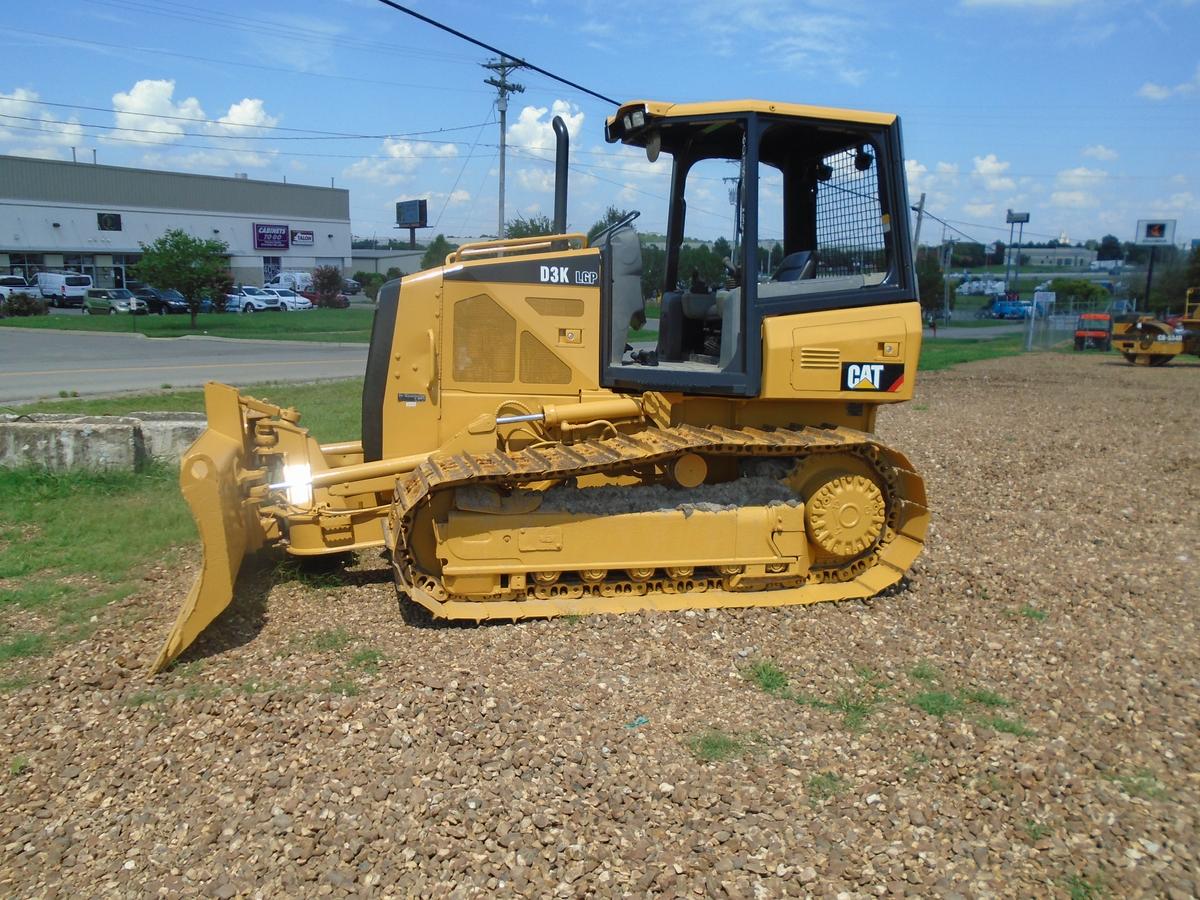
x,y
108,221
271,266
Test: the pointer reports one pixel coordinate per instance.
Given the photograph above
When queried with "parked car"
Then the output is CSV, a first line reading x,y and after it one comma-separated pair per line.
x,y
350,286
341,301
110,301
289,299
13,284
161,302
250,299
63,288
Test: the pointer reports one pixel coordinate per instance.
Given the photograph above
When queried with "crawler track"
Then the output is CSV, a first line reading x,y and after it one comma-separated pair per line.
x,y
879,566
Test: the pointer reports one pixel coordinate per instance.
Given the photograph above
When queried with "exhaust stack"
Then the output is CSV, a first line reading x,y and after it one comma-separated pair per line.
x,y
562,145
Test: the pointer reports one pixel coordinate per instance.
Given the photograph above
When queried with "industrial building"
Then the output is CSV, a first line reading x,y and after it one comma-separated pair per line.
x,y
79,217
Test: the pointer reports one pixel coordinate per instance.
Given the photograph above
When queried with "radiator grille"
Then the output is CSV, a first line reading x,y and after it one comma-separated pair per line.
x,y
485,338
539,365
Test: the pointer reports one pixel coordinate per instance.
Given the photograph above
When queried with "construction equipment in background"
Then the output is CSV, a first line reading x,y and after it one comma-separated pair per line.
x,y
521,457
1146,341
1093,331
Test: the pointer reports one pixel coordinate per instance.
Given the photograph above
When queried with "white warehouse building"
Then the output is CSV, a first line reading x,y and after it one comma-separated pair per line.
x,y
63,216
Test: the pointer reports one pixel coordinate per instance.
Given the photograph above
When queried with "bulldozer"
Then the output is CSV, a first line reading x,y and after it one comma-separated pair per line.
x,y
529,448
1147,341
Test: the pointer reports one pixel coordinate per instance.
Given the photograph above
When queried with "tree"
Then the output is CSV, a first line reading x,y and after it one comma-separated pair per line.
x,y
654,263
327,284
371,282
776,256
522,227
1078,290
611,216
436,254
930,281
723,250
1109,248
193,266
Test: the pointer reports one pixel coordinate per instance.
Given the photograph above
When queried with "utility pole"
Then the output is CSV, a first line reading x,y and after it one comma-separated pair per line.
x,y
916,244
502,67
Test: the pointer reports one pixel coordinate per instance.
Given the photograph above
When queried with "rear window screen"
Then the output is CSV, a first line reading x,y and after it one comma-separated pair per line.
x,y
79,281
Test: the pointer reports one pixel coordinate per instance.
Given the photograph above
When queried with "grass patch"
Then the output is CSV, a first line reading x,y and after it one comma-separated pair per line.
x,y
310,572
1032,612
767,676
343,686
27,643
942,353
985,697
825,785
8,685
924,672
1080,887
143,698
367,660
18,765
332,410
73,542
337,639
717,746
1034,830
340,325
1141,783
938,703
1006,725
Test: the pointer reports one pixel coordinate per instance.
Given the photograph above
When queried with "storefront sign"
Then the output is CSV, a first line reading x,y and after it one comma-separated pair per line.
x,y
270,237
302,238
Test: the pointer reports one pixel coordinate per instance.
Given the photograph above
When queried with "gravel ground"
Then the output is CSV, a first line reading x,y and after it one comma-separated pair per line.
x,y
314,743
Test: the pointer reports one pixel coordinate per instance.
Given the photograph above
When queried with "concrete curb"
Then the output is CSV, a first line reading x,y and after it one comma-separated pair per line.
x,y
62,442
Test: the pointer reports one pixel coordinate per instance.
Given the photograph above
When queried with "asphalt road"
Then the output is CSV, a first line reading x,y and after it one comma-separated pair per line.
x,y
38,364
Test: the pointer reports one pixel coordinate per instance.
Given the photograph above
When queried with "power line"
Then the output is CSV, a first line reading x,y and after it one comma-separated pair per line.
x,y
58,38
501,53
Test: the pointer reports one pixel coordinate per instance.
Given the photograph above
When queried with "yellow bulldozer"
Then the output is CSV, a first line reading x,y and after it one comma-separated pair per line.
x,y
1146,341
529,448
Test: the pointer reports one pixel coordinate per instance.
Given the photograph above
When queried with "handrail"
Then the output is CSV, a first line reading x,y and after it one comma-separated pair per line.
x,y
531,244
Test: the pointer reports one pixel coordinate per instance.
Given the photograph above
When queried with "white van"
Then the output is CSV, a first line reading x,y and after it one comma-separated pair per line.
x,y
294,281
63,288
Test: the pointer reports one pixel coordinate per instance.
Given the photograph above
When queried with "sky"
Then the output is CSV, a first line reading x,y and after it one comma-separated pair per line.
x,y
1085,113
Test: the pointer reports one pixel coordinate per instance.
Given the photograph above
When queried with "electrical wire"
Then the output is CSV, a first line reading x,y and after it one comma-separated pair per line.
x,y
491,49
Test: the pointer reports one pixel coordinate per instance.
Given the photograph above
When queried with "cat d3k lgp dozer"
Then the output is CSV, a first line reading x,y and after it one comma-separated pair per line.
x,y
522,455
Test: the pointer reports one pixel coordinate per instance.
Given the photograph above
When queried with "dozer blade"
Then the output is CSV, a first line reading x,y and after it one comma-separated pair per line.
x,y
210,478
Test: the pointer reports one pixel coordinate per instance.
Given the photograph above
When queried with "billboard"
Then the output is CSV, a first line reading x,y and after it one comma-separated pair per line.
x,y
302,238
412,213
1155,232
270,237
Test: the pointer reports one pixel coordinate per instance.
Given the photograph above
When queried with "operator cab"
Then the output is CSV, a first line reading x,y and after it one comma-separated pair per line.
x,y
808,208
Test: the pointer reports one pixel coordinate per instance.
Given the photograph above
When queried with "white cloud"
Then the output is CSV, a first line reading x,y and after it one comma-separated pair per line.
x,y
533,133
246,117
1080,178
137,108
979,209
36,131
990,171
1074,199
820,38
403,158
1153,91
1099,151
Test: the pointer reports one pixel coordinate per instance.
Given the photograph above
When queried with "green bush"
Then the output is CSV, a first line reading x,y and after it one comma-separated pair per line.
x,y
24,305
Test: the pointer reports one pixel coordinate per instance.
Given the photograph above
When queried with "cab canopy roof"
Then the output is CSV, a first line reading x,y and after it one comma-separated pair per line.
x,y
631,121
